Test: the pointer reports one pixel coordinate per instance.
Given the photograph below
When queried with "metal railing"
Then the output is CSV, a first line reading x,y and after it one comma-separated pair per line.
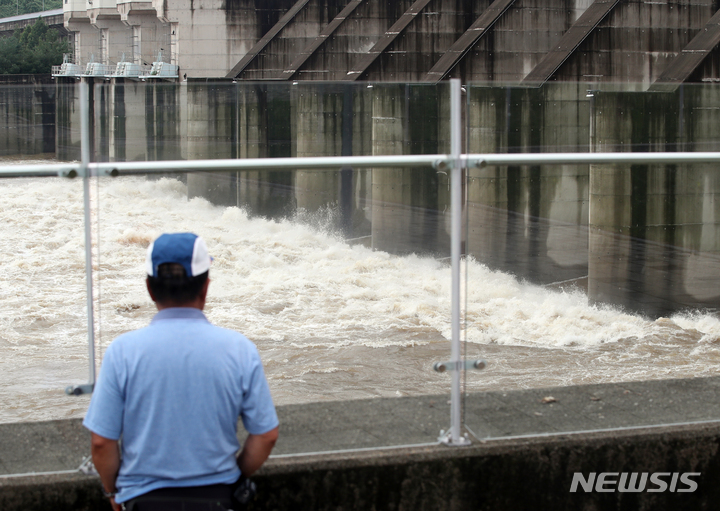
x,y
454,162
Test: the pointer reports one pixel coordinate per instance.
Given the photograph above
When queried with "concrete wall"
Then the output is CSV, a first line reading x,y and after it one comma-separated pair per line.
x,y
211,133
332,120
67,119
227,121
115,35
144,121
651,35
635,42
290,42
654,228
488,477
410,206
318,115
529,220
266,193
207,35
519,40
150,38
522,38
27,115
86,38
480,477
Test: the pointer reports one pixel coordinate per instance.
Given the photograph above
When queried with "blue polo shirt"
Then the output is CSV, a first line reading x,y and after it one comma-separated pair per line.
x,y
174,391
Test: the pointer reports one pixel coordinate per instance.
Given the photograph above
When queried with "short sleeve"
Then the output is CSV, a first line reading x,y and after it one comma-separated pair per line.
x,y
258,411
105,413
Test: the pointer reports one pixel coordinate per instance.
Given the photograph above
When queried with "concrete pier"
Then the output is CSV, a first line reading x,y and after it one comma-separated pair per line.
x,y
523,438
211,133
264,193
410,206
27,114
653,228
318,115
529,220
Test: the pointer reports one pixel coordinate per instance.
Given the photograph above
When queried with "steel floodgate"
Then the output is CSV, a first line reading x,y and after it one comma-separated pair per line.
x,y
332,321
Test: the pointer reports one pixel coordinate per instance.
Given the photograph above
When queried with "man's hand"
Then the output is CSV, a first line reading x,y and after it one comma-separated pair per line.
x,y
256,450
106,458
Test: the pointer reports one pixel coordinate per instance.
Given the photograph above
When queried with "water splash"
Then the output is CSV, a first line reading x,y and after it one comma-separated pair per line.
x,y
332,321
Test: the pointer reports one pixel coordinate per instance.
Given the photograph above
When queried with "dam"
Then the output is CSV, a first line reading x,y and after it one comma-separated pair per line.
x,y
540,77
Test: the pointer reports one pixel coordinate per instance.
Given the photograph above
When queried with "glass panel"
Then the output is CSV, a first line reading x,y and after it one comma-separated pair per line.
x,y
339,276
43,339
575,274
588,275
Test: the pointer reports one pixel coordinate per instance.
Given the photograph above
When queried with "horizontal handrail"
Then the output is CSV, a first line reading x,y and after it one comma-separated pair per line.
x,y
438,161
39,170
319,163
482,160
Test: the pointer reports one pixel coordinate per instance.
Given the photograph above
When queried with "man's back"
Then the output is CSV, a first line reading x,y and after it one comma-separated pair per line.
x,y
174,390
184,383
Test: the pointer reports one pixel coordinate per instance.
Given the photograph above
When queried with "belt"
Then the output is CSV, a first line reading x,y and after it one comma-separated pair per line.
x,y
216,497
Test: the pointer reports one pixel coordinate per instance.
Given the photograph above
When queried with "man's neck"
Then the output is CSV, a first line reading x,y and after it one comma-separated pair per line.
x,y
170,304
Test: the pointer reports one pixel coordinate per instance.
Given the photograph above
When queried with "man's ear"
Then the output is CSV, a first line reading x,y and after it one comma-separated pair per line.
x,y
204,289
147,285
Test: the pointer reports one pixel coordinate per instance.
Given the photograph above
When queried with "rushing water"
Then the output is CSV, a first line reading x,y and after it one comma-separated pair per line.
x,y
331,321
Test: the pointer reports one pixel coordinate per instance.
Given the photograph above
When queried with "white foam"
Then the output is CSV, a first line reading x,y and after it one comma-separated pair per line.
x,y
330,309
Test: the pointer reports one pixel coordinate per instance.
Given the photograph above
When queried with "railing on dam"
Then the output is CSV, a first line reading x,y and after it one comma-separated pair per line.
x,y
364,233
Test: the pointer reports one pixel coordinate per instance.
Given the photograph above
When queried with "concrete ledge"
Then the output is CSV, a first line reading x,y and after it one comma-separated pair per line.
x,y
56,492
502,473
497,475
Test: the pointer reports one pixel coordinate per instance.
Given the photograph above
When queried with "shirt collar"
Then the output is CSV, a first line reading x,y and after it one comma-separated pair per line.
x,y
179,313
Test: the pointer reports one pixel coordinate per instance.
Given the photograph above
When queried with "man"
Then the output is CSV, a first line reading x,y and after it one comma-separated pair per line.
x,y
174,391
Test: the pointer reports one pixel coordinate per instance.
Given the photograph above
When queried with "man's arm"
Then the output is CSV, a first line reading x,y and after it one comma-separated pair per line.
x,y
255,451
106,458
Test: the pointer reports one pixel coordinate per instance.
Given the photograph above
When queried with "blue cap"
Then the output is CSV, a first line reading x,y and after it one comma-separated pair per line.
x,y
183,248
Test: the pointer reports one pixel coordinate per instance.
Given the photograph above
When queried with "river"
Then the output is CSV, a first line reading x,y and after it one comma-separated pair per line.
x,y
331,321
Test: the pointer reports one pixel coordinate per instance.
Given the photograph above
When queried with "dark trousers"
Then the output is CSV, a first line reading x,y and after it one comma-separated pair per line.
x,y
216,497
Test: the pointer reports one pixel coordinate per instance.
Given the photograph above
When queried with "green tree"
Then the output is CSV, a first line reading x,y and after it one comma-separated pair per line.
x,y
33,50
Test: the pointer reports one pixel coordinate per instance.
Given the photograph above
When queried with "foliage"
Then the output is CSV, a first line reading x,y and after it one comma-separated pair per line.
x,y
33,50
14,7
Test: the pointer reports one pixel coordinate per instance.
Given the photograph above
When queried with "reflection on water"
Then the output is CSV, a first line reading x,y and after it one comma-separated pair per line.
x,y
331,320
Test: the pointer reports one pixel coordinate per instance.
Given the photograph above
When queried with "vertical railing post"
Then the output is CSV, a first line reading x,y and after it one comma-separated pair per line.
x,y
454,437
84,161
84,172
